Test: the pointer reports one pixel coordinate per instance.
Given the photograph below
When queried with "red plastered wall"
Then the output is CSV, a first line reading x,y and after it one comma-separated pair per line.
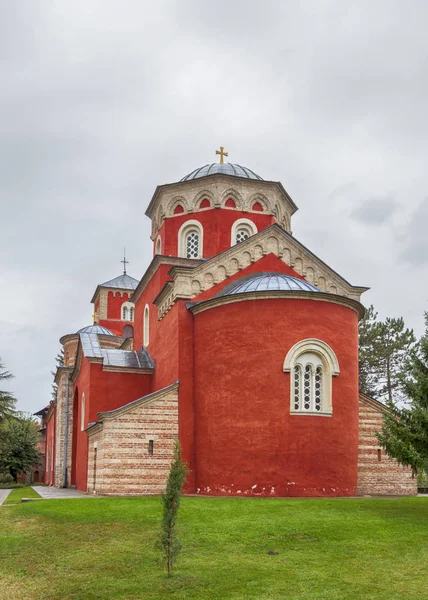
x,y
104,391
246,441
114,304
217,226
50,443
82,386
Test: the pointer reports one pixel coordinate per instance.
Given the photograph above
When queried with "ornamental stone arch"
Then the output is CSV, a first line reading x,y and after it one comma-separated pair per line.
x,y
317,347
312,364
235,196
176,201
202,195
261,199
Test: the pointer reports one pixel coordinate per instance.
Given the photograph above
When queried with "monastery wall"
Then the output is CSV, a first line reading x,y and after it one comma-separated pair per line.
x,y
247,442
120,461
377,473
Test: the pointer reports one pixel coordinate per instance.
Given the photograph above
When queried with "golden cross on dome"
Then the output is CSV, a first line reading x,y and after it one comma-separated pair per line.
x,y
95,317
222,154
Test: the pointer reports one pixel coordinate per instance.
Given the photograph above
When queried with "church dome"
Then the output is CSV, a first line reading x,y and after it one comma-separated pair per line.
x,y
222,169
263,282
95,328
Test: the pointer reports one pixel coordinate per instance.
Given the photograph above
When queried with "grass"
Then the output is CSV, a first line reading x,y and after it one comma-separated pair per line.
x,y
17,494
233,549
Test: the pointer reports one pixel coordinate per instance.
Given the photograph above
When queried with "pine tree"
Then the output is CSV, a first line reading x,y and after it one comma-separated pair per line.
x,y
169,542
404,433
7,400
384,345
368,333
393,346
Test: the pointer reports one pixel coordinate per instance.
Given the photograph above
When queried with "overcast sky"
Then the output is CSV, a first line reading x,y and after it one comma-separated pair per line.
x,y
103,100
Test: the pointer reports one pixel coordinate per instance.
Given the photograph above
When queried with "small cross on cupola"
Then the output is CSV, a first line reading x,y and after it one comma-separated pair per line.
x,y
222,154
124,261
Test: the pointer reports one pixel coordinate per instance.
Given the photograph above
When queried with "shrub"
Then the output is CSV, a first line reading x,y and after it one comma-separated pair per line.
x,y
8,478
10,486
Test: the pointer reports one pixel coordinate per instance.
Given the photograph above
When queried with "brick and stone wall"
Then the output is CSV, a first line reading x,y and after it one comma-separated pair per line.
x,y
60,430
377,473
119,461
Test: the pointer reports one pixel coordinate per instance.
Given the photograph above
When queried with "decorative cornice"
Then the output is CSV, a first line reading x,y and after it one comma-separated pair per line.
x,y
158,260
190,281
275,295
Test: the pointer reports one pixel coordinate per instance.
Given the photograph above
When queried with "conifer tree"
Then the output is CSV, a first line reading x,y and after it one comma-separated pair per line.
x,y
169,542
7,400
368,333
404,433
384,345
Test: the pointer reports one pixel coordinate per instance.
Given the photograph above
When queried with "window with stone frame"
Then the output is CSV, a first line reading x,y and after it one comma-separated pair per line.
x,y
146,325
190,240
312,364
242,233
124,313
242,229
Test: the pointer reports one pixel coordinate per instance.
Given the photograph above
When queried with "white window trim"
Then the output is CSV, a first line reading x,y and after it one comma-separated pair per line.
x,y
128,306
330,366
146,326
82,416
235,228
191,224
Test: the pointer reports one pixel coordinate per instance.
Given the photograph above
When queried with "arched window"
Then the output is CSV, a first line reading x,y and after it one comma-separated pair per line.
x,y
158,246
242,229
190,240
82,415
311,364
127,311
146,338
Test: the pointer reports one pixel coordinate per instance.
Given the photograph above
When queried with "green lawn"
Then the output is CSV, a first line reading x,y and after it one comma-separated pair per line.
x,y
233,548
17,494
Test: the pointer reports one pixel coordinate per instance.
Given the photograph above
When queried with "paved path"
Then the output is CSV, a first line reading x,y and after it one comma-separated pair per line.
x,y
3,495
49,493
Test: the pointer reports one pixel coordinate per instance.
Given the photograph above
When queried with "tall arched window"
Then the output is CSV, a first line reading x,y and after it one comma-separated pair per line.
x,y
158,246
242,229
82,411
124,313
131,313
146,332
311,364
190,240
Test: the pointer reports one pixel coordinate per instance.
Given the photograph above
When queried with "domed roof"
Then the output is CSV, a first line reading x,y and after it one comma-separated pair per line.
x,y
222,169
262,282
95,328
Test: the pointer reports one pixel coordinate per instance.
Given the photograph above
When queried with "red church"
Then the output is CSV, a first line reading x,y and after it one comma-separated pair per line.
x,y
238,341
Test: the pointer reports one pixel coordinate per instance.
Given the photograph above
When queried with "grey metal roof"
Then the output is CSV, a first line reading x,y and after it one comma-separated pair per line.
x,y
224,169
95,328
113,357
267,282
124,282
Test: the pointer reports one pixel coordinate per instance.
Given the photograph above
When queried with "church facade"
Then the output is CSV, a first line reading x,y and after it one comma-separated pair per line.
x,y
238,341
